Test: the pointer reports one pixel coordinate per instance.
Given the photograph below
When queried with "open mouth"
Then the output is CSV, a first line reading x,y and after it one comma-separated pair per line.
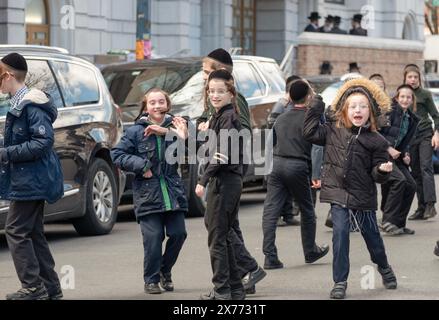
x,y
358,118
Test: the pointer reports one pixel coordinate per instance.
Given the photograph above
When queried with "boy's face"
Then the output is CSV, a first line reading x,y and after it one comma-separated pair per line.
x,y
379,82
219,95
412,78
156,106
358,109
207,70
5,82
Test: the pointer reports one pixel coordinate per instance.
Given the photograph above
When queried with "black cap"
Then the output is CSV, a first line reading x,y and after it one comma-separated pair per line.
x,y
358,17
299,89
15,61
220,74
329,18
314,16
337,20
222,56
353,65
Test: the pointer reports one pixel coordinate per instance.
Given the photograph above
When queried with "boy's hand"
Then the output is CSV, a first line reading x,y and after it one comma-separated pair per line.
x,y
155,129
406,159
199,190
435,140
203,126
147,174
386,167
316,184
393,153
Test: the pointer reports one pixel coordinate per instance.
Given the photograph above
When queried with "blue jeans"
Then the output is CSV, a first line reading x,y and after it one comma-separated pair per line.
x,y
340,240
153,227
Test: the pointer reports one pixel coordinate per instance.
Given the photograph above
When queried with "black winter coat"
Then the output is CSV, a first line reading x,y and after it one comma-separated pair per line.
x,y
391,132
164,191
351,160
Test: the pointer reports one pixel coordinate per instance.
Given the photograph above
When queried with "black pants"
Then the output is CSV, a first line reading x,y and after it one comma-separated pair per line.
x,y
223,198
154,227
244,260
421,153
397,195
289,178
29,249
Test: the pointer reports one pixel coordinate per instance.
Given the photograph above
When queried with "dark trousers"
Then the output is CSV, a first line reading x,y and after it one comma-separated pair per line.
x,y
289,178
223,196
154,227
340,241
244,260
28,245
421,153
397,195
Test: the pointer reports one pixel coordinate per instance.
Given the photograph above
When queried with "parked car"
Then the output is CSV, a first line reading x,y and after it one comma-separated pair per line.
x,y
258,79
87,127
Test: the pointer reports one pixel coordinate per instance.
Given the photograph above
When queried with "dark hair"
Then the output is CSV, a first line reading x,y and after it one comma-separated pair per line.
x,y
144,101
19,75
378,76
289,81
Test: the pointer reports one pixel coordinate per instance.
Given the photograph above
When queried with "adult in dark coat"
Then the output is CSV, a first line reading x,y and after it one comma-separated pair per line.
x,y
314,22
357,30
327,27
336,29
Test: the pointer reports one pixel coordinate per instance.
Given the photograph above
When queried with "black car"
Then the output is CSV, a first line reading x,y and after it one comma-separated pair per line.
x,y
259,79
87,127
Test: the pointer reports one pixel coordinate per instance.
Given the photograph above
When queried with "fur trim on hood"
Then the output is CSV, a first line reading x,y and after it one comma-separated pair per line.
x,y
381,103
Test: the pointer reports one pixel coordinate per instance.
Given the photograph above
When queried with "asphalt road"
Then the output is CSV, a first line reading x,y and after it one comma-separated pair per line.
x,y
110,267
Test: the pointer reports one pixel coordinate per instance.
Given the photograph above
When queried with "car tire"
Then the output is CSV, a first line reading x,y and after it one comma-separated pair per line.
x,y
101,201
197,206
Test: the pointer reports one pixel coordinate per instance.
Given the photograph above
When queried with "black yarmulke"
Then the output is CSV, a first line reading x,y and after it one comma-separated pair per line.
x,y
222,56
15,61
299,89
221,74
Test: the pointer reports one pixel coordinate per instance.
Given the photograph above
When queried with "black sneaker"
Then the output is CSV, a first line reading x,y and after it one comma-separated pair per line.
x,y
152,288
273,264
292,221
389,278
320,253
328,221
253,277
32,293
166,281
430,211
213,295
55,293
238,294
251,290
436,249
418,215
339,290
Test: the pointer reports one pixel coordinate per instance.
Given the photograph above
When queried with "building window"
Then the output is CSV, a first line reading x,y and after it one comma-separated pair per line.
x,y
37,22
335,1
244,26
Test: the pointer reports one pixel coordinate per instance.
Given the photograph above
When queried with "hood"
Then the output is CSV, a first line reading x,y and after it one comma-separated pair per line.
x,y
39,99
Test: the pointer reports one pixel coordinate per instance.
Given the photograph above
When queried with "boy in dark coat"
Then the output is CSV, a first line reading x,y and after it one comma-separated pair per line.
x,y
31,174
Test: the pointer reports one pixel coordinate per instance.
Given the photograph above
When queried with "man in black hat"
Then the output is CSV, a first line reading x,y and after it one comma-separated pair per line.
x,y
290,178
357,30
336,29
327,27
354,68
314,22
31,174
251,273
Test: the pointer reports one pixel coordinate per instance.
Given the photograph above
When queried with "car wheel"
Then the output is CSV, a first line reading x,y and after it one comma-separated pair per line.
x,y
101,201
197,206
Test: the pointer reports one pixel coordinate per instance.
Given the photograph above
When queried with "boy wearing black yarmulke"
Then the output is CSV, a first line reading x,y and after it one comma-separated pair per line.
x,y
290,178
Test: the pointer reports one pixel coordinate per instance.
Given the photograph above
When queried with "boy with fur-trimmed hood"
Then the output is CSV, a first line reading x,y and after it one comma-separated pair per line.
x,y
355,159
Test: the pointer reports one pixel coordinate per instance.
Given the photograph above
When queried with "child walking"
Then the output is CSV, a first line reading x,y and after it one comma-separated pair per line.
x,y
223,173
159,198
398,192
355,158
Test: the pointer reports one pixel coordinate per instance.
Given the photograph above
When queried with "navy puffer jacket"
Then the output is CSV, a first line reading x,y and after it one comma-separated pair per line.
x,y
33,171
164,191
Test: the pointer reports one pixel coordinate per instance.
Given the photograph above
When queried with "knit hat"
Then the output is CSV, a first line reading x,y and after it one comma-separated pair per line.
x,y
221,56
15,61
299,89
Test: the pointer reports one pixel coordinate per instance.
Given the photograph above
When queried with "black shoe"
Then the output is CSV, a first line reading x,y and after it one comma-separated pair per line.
x,y
389,278
166,281
238,294
408,231
213,295
430,211
292,221
55,293
273,264
418,215
339,290
251,290
32,293
436,249
281,222
328,221
321,252
152,288
253,277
